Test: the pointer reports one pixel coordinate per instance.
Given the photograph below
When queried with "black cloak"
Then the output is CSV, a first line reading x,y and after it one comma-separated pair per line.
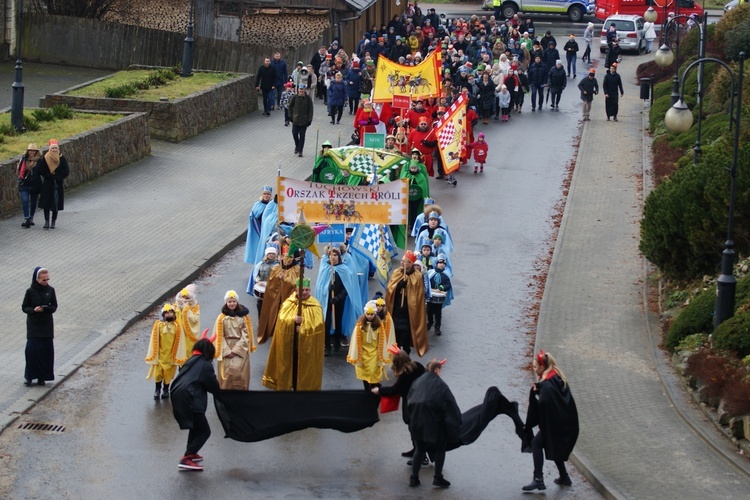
x,y
553,409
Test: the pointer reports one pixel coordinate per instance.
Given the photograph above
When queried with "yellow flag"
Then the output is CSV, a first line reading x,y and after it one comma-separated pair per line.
x,y
451,134
422,80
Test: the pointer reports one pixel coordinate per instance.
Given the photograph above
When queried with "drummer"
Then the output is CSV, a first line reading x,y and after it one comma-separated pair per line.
x,y
259,278
441,294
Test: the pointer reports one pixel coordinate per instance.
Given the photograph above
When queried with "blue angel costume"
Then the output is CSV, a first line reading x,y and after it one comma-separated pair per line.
x,y
352,304
262,221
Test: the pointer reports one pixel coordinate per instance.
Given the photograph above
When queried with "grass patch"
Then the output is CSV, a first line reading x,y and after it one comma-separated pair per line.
x,y
58,129
130,84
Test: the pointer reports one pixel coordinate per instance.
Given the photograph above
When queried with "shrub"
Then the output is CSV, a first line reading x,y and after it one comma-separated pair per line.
x,y
684,217
62,111
737,40
30,124
724,377
731,25
693,342
43,115
8,130
676,298
734,335
120,91
696,318
698,315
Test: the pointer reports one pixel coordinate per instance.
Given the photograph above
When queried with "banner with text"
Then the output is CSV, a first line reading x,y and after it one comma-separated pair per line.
x,y
340,204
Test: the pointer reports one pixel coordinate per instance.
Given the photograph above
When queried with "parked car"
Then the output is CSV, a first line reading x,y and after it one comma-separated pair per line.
x,y
629,32
731,5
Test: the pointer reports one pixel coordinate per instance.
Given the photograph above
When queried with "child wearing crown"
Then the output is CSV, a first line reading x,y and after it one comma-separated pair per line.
x,y
368,349
166,350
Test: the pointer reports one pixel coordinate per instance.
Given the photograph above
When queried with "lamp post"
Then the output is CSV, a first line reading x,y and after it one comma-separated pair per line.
x,y
16,110
664,57
187,49
679,118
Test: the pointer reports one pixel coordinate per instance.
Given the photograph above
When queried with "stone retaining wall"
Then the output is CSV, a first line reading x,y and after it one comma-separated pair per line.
x,y
90,155
178,119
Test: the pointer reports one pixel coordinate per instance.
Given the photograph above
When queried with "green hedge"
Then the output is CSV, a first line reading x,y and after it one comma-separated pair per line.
x,y
698,316
734,335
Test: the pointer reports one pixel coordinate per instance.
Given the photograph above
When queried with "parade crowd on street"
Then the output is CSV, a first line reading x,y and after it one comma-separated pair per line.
x,y
493,65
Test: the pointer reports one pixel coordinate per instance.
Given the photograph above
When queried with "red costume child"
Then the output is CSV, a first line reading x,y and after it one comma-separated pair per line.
x,y
480,148
365,120
423,138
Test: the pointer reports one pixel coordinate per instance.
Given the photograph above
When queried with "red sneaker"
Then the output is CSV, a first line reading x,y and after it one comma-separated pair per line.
x,y
195,457
187,464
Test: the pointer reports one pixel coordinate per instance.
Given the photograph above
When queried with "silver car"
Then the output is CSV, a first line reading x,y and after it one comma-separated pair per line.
x,y
630,32
731,5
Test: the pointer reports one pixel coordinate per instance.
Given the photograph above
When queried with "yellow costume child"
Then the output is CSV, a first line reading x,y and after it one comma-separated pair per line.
x,y
368,349
234,343
188,317
166,350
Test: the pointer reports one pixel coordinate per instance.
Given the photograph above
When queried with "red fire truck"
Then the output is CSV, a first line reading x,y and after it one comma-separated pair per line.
x,y
606,8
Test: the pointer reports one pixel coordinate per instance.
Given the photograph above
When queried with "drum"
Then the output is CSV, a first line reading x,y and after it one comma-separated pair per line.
x,y
259,289
437,297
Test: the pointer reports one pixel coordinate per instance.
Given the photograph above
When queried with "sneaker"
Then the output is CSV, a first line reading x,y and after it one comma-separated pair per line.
x,y
344,342
414,481
188,464
408,454
195,457
615,118
440,482
564,481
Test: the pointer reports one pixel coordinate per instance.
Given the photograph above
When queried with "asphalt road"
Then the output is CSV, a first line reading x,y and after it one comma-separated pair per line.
x,y
119,443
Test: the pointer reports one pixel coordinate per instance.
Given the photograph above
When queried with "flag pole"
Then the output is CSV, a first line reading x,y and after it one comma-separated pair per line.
x,y
295,343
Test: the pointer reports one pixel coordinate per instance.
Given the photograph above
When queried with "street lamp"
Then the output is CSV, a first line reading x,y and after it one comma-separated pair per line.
x,y
665,57
16,110
679,119
187,49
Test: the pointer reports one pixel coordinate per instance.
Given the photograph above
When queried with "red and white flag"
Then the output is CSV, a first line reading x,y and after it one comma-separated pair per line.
x,y
451,134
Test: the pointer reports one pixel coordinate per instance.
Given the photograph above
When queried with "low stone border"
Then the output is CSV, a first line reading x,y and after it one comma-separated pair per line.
x,y
178,119
90,154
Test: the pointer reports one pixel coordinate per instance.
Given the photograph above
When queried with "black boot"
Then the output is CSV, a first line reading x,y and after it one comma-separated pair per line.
x,y
564,480
52,226
46,224
437,330
31,221
26,223
157,392
165,392
440,481
536,484
414,481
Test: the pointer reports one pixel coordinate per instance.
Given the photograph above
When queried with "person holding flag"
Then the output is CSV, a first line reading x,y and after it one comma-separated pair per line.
x,y
419,187
300,315
339,295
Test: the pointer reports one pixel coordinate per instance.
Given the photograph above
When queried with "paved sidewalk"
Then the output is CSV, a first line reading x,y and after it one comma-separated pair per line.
x,y
633,442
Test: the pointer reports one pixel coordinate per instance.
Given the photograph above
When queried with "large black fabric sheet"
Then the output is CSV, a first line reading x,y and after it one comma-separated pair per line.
x,y
476,419
251,416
